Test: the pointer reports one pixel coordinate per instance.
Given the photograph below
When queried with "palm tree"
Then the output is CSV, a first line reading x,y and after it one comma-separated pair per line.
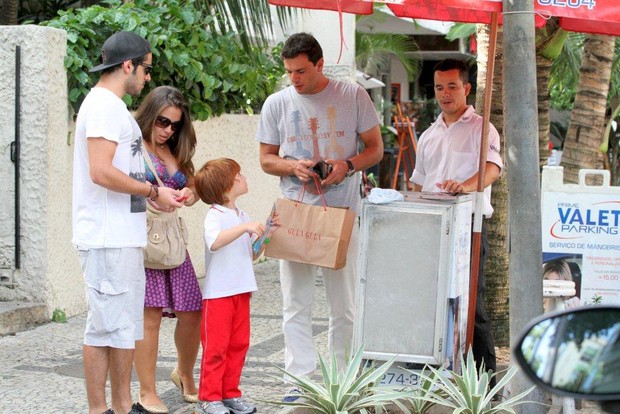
x,y
496,264
550,40
374,52
8,12
587,122
252,19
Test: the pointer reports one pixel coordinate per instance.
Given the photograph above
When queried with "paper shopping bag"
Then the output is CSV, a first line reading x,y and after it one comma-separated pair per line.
x,y
317,235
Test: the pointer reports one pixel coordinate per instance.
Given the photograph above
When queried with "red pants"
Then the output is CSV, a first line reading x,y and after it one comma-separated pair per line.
x,y
225,337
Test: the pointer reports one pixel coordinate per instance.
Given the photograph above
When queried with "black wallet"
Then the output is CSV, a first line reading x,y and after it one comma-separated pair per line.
x,y
322,169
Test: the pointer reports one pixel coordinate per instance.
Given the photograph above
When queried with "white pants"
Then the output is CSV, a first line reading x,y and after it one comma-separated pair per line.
x,y
297,281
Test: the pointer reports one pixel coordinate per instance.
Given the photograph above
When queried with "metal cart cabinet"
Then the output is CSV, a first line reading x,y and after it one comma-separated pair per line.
x,y
413,278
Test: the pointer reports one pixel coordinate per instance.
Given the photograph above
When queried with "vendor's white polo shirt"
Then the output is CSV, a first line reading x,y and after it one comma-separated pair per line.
x,y
452,153
229,270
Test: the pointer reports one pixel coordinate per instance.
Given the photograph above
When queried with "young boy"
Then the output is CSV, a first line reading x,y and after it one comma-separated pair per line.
x,y
228,286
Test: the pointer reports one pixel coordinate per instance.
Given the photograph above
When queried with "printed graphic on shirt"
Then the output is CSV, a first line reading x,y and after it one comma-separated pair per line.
x,y
311,139
314,126
334,149
300,152
138,203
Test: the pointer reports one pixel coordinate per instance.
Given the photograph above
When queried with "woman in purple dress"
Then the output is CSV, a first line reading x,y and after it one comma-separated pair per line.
x,y
170,141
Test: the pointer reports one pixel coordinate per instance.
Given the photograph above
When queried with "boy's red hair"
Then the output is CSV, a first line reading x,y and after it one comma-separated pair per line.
x,y
215,178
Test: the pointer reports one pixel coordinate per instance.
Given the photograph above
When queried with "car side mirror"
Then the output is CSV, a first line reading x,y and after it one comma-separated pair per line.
x,y
575,353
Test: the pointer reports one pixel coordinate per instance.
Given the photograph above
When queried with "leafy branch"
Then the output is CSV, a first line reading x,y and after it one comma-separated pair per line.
x,y
214,72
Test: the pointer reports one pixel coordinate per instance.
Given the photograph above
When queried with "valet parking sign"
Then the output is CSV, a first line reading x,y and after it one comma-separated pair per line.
x,y
581,223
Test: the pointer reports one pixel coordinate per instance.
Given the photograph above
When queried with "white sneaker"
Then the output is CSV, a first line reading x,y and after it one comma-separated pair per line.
x,y
210,407
239,406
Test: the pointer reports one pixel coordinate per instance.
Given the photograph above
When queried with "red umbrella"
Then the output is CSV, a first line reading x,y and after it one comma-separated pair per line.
x,y
587,16
445,10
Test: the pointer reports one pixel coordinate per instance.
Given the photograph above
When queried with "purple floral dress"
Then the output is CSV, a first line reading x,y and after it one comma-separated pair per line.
x,y
174,289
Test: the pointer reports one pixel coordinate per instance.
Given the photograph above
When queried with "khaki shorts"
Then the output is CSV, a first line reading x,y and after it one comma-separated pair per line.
x,y
114,281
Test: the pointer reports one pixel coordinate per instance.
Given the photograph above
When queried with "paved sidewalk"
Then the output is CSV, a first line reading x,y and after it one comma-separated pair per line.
x,y
41,369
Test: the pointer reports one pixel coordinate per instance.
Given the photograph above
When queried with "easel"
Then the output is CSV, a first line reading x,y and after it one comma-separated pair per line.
x,y
406,153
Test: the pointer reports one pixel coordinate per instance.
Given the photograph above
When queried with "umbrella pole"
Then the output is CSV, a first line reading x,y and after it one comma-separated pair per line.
x,y
479,203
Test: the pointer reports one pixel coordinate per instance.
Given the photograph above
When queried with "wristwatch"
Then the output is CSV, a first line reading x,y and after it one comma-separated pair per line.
x,y
351,168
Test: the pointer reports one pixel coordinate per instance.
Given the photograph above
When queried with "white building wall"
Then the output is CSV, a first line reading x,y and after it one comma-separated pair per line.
x,y
399,75
44,193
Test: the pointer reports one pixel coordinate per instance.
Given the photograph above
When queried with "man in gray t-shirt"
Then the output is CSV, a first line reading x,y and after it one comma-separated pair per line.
x,y
317,118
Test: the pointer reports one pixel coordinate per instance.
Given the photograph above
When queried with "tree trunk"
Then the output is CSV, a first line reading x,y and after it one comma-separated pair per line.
x,y
587,121
8,12
496,265
543,72
550,40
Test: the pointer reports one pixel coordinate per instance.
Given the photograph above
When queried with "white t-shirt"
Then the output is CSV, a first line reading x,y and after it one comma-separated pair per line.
x,y
101,217
229,269
319,126
453,153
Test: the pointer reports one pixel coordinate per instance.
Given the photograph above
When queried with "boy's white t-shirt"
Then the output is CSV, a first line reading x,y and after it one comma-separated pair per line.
x,y
103,218
229,269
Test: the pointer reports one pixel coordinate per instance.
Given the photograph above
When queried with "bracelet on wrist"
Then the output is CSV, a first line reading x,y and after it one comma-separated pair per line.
x,y
154,188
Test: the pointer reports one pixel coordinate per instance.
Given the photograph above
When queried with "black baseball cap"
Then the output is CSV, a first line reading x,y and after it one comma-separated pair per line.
x,y
119,47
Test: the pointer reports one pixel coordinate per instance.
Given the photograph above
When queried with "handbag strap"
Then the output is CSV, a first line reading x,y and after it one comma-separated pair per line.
x,y
318,189
149,164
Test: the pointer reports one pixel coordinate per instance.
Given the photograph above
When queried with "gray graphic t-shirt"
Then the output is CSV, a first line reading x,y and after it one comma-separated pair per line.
x,y
325,125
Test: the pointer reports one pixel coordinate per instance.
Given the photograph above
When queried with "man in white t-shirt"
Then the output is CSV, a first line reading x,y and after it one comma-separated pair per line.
x,y
109,220
317,118
447,161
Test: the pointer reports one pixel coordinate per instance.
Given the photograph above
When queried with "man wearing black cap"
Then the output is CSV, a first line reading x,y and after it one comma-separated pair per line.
x,y
109,220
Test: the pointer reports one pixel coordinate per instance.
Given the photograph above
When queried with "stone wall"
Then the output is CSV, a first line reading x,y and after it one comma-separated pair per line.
x,y
44,177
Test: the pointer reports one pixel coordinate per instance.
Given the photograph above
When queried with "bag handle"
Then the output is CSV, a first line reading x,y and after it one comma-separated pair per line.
x,y
149,164
318,189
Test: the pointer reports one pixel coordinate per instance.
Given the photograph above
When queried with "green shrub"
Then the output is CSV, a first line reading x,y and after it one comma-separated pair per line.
x,y
213,71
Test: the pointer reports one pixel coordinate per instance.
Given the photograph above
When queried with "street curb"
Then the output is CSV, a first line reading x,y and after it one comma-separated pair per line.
x,y
20,316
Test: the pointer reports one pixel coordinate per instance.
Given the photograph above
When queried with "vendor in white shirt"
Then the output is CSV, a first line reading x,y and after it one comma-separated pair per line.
x,y
447,161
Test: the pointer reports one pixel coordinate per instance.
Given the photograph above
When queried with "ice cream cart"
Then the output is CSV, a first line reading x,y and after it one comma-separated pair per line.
x,y
413,282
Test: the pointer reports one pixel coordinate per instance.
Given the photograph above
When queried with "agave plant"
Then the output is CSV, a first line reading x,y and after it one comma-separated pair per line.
x,y
469,392
352,390
417,396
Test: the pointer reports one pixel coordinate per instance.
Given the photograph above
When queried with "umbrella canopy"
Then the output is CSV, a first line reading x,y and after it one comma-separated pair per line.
x,y
367,81
587,16
443,10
